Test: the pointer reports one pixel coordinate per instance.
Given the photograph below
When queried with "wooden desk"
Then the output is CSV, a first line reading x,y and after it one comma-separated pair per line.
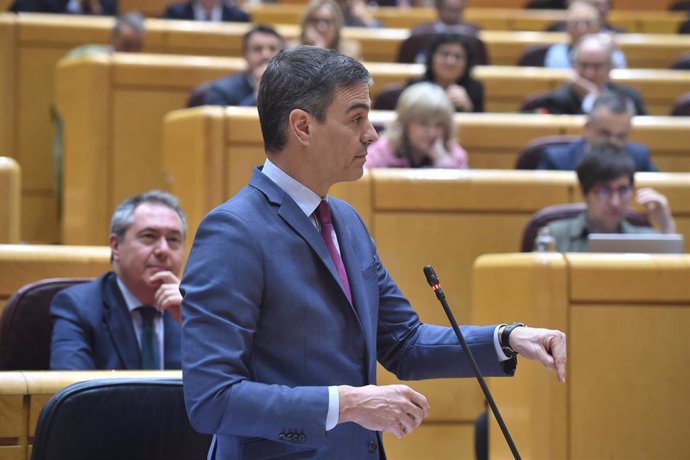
x,y
10,200
609,407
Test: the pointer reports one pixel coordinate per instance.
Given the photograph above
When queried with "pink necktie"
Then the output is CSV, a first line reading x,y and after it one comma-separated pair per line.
x,y
323,213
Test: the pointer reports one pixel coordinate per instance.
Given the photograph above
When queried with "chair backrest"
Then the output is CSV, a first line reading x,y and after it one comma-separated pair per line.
x,y
684,27
681,106
529,155
118,419
388,96
682,62
26,326
546,5
533,56
534,101
198,95
413,47
565,211
680,5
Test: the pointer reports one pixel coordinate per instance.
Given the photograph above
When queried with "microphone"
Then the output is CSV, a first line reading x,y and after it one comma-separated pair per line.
x,y
435,284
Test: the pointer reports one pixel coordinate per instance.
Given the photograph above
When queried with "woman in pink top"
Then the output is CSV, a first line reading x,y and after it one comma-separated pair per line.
x,y
422,135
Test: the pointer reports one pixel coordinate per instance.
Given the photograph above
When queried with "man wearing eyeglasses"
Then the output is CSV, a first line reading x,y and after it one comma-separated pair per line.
x,y
606,177
593,60
609,121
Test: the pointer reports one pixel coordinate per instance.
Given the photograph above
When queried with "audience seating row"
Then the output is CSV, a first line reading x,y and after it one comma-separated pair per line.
x,y
113,128
23,395
609,407
31,45
665,22
10,194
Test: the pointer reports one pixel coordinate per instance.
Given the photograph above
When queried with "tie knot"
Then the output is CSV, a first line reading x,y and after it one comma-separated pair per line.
x,y
147,314
324,212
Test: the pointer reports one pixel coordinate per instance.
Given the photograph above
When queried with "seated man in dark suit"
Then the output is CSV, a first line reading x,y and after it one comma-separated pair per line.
x,y
128,318
259,45
89,7
606,177
450,19
608,122
593,61
205,10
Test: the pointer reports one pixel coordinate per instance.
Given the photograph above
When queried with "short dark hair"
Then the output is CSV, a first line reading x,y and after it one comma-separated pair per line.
x,y
123,217
304,77
262,29
442,39
615,101
603,163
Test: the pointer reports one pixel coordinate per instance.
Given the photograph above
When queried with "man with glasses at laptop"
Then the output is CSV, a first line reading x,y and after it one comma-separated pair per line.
x,y
606,177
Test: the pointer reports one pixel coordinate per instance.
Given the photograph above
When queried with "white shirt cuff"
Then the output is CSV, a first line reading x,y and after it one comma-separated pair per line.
x,y
333,408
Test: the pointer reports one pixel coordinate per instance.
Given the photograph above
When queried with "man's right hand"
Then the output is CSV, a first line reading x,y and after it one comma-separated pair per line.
x,y
394,409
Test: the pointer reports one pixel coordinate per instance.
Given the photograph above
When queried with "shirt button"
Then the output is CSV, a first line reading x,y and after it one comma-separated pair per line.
x,y
372,447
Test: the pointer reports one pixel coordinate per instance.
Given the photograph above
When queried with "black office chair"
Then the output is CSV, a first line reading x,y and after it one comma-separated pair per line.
x,y
533,56
388,96
565,211
681,106
412,48
117,419
26,326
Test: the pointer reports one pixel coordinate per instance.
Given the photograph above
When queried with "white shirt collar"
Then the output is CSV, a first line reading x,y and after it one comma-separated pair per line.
x,y
305,198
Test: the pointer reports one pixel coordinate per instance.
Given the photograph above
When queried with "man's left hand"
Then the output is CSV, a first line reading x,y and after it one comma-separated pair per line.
x,y
168,297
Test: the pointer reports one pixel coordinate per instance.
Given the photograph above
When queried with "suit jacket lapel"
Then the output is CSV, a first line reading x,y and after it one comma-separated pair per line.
x,y
119,324
297,220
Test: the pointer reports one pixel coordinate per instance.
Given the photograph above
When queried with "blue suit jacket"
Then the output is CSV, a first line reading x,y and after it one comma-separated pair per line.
x,y
567,156
231,90
92,329
267,327
185,11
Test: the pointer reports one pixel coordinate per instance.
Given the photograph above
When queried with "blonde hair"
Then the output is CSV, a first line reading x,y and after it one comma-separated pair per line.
x,y
314,5
421,102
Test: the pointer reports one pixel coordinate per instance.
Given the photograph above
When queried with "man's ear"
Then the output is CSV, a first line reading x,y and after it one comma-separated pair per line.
x,y
300,125
114,243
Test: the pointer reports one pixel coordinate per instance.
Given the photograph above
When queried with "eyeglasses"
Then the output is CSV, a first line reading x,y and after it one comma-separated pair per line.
x,y
445,55
604,192
321,22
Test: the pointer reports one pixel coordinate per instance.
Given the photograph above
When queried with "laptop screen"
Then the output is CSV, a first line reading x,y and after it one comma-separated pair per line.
x,y
645,243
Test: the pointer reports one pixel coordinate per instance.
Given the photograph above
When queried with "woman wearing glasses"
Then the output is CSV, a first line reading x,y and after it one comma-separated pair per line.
x,y
322,24
449,62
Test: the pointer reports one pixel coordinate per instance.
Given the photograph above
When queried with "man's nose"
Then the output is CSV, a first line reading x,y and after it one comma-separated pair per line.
x,y
370,135
162,245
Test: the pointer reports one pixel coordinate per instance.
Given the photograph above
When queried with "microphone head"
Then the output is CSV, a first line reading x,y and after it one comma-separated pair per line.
x,y
430,274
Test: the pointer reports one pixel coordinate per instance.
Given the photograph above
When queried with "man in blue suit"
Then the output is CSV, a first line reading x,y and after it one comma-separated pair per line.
x,y
128,318
287,307
609,122
259,45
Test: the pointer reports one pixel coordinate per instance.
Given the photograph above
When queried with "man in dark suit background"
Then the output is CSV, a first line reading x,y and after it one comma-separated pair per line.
x,y
451,14
100,324
593,61
259,45
287,306
609,122
205,10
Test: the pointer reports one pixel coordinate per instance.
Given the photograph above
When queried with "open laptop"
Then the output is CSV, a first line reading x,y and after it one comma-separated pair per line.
x,y
645,243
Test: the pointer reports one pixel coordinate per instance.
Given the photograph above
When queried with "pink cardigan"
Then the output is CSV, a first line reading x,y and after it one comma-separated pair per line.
x,y
380,155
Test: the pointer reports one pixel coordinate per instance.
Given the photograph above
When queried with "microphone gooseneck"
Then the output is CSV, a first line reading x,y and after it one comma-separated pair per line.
x,y
435,284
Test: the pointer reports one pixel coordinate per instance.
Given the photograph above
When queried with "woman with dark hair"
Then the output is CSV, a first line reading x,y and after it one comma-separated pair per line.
x,y
449,62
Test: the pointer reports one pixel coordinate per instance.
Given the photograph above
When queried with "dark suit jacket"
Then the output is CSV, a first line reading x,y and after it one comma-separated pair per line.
x,y
186,11
566,157
92,329
565,100
474,89
231,90
268,327
110,7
